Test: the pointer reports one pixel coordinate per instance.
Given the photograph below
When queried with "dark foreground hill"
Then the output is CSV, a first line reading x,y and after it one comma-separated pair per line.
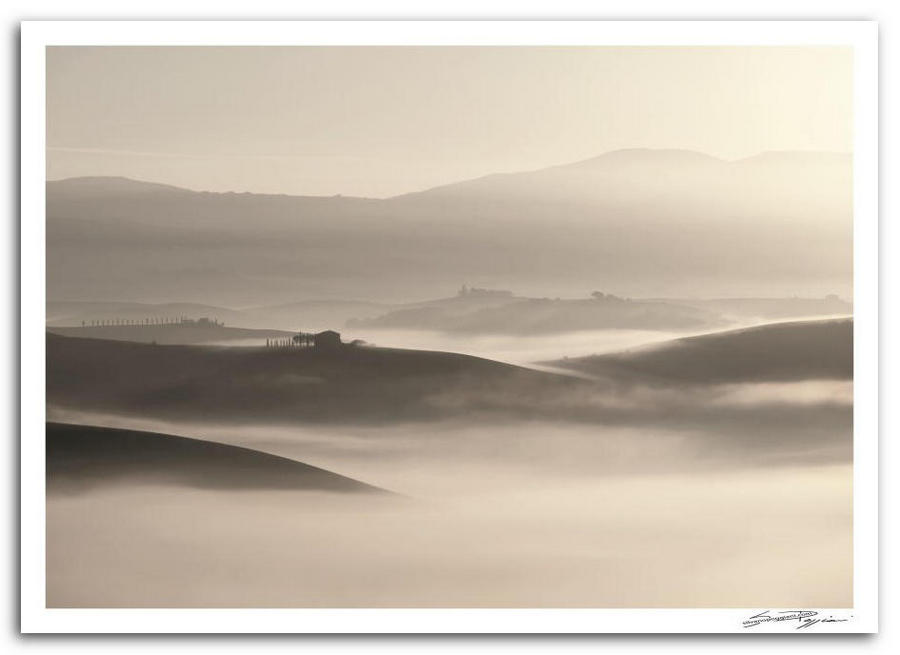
x,y
83,456
775,352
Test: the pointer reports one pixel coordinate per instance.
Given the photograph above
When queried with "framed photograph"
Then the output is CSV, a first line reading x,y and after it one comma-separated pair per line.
x,y
436,327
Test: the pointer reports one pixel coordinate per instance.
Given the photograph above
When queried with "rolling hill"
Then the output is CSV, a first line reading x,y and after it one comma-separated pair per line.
x,y
80,457
72,313
530,316
308,315
476,311
358,385
283,385
800,350
770,309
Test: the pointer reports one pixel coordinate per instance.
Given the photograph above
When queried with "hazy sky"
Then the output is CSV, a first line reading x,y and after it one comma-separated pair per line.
x,y
380,121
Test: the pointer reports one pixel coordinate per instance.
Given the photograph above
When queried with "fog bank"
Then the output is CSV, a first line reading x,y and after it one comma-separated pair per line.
x,y
762,538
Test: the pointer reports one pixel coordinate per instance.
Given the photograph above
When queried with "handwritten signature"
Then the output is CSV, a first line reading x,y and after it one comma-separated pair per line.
x,y
804,618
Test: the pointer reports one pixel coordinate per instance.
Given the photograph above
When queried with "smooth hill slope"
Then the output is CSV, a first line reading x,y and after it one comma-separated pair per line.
x,y
771,309
82,456
380,387
776,352
352,384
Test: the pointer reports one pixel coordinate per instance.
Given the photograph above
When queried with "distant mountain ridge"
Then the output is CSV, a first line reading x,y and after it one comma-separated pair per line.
x,y
639,156
86,186
624,221
109,185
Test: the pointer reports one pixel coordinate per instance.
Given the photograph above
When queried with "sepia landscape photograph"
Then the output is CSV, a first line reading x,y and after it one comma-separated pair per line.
x,y
449,326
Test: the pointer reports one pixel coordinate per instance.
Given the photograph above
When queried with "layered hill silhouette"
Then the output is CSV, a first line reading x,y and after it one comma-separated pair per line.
x,y
623,221
170,334
307,315
72,313
380,386
81,457
482,311
527,316
349,384
799,350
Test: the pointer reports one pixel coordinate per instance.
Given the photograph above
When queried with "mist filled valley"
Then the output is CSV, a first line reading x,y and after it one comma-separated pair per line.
x,y
623,381
551,485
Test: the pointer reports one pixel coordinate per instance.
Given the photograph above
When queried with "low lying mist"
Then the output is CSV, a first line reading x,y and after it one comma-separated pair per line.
x,y
777,537
645,495
519,350
630,430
